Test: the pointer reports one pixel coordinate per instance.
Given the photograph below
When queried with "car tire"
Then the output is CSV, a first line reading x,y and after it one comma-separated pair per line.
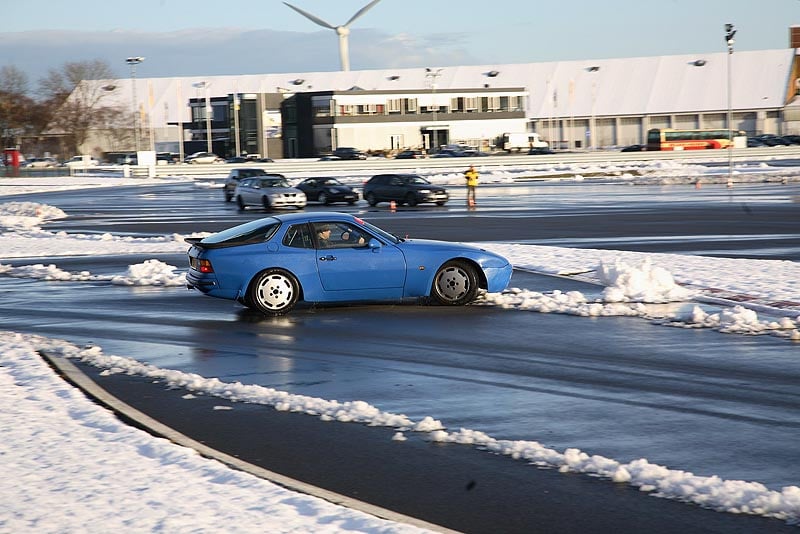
x,y
228,197
323,199
240,203
440,203
273,292
266,204
371,200
411,199
455,284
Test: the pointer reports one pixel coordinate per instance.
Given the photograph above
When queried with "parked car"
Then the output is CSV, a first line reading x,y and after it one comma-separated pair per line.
x,y
40,163
203,157
270,264
633,148
268,192
77,161
772,140
410,154
408,189
233,178
472,153
327,191
793,139
347,152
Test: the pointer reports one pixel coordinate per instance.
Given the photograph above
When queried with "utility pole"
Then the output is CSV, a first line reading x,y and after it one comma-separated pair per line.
x,y
729,33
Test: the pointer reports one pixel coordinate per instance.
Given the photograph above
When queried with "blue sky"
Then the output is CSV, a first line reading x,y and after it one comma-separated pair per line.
x,y
182,37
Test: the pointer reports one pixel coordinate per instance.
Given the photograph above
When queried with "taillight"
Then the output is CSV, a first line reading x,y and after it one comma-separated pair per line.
x,y
204,266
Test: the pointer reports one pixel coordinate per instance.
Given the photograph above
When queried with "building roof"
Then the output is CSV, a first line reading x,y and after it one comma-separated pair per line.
x,y
605,87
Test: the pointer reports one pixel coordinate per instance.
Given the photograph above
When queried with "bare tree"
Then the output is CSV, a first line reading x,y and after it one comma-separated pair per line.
x,y
74,95
16,107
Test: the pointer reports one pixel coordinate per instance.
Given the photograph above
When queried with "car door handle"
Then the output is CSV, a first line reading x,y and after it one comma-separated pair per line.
x,y
329,257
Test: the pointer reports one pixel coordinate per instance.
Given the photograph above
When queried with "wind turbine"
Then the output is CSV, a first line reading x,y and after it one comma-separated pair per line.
x,y
342,31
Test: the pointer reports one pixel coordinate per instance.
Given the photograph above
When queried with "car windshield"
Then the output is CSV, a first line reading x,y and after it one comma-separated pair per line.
x,y
252,232
274,182
377,231
414,179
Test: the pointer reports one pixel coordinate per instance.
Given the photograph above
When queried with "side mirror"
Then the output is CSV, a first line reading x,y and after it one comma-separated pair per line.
x,y
374,244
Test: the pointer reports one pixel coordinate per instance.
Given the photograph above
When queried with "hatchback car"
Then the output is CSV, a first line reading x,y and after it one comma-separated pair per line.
x,y
408,189
203,157
327,191
272,263
268,192
236,175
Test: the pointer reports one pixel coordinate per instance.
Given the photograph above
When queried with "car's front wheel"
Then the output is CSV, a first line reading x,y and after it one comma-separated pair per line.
x,y
273,292
240,203
411,199
455,284
323,199
265,202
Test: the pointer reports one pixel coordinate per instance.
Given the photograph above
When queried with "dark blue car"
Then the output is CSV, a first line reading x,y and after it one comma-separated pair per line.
x,y
270,264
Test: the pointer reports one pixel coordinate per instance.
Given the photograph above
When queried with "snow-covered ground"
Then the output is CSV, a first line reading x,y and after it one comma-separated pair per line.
x,y
75,464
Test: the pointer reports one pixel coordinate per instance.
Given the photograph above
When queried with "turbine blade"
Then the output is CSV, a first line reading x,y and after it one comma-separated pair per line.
x,y
361,12
312,18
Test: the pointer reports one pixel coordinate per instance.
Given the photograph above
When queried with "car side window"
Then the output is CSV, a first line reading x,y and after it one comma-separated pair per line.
x,y
298,236
395,181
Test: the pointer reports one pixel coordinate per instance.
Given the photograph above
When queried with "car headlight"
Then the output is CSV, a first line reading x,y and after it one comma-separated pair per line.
x,y
425,191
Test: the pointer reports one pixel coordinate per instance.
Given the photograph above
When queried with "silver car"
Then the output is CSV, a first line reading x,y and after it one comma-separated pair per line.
x,y
268,192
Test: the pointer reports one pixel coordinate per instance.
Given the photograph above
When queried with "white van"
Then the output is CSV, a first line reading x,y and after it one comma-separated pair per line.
x,y
522,141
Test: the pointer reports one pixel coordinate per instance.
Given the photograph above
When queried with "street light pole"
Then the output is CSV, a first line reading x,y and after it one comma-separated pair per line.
x,y
433,75
729,33
205,85
133,61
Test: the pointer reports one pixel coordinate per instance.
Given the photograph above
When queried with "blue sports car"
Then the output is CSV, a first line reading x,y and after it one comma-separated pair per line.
x,y
270,264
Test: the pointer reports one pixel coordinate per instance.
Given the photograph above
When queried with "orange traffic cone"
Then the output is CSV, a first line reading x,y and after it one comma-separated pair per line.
x,y
392,205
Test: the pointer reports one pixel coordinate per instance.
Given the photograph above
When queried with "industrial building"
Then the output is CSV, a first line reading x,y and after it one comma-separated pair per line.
x,y
572,104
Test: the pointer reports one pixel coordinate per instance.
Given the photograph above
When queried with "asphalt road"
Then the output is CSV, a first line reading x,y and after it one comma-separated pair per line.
x,y
620,387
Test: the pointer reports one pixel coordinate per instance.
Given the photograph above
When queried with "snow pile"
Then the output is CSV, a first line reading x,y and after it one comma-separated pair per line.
x,y
22,215
642,283
151,273
737,320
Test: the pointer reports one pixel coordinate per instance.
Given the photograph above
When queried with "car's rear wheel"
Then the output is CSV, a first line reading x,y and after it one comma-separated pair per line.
x,y
240,203
323,199
455,284
411,199
371,200
273,292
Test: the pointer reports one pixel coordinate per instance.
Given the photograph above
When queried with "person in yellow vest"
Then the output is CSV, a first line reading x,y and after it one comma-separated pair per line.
x,y
471,175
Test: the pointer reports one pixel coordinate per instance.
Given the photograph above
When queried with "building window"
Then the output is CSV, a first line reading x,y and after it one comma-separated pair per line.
x,y
394,105
411,104
470,103
493,103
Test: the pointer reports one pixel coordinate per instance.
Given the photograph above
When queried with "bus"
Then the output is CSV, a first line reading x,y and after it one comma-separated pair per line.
x,y
671,139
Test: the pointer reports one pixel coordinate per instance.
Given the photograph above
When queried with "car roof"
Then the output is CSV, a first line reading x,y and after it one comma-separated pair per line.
x,y
313,216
